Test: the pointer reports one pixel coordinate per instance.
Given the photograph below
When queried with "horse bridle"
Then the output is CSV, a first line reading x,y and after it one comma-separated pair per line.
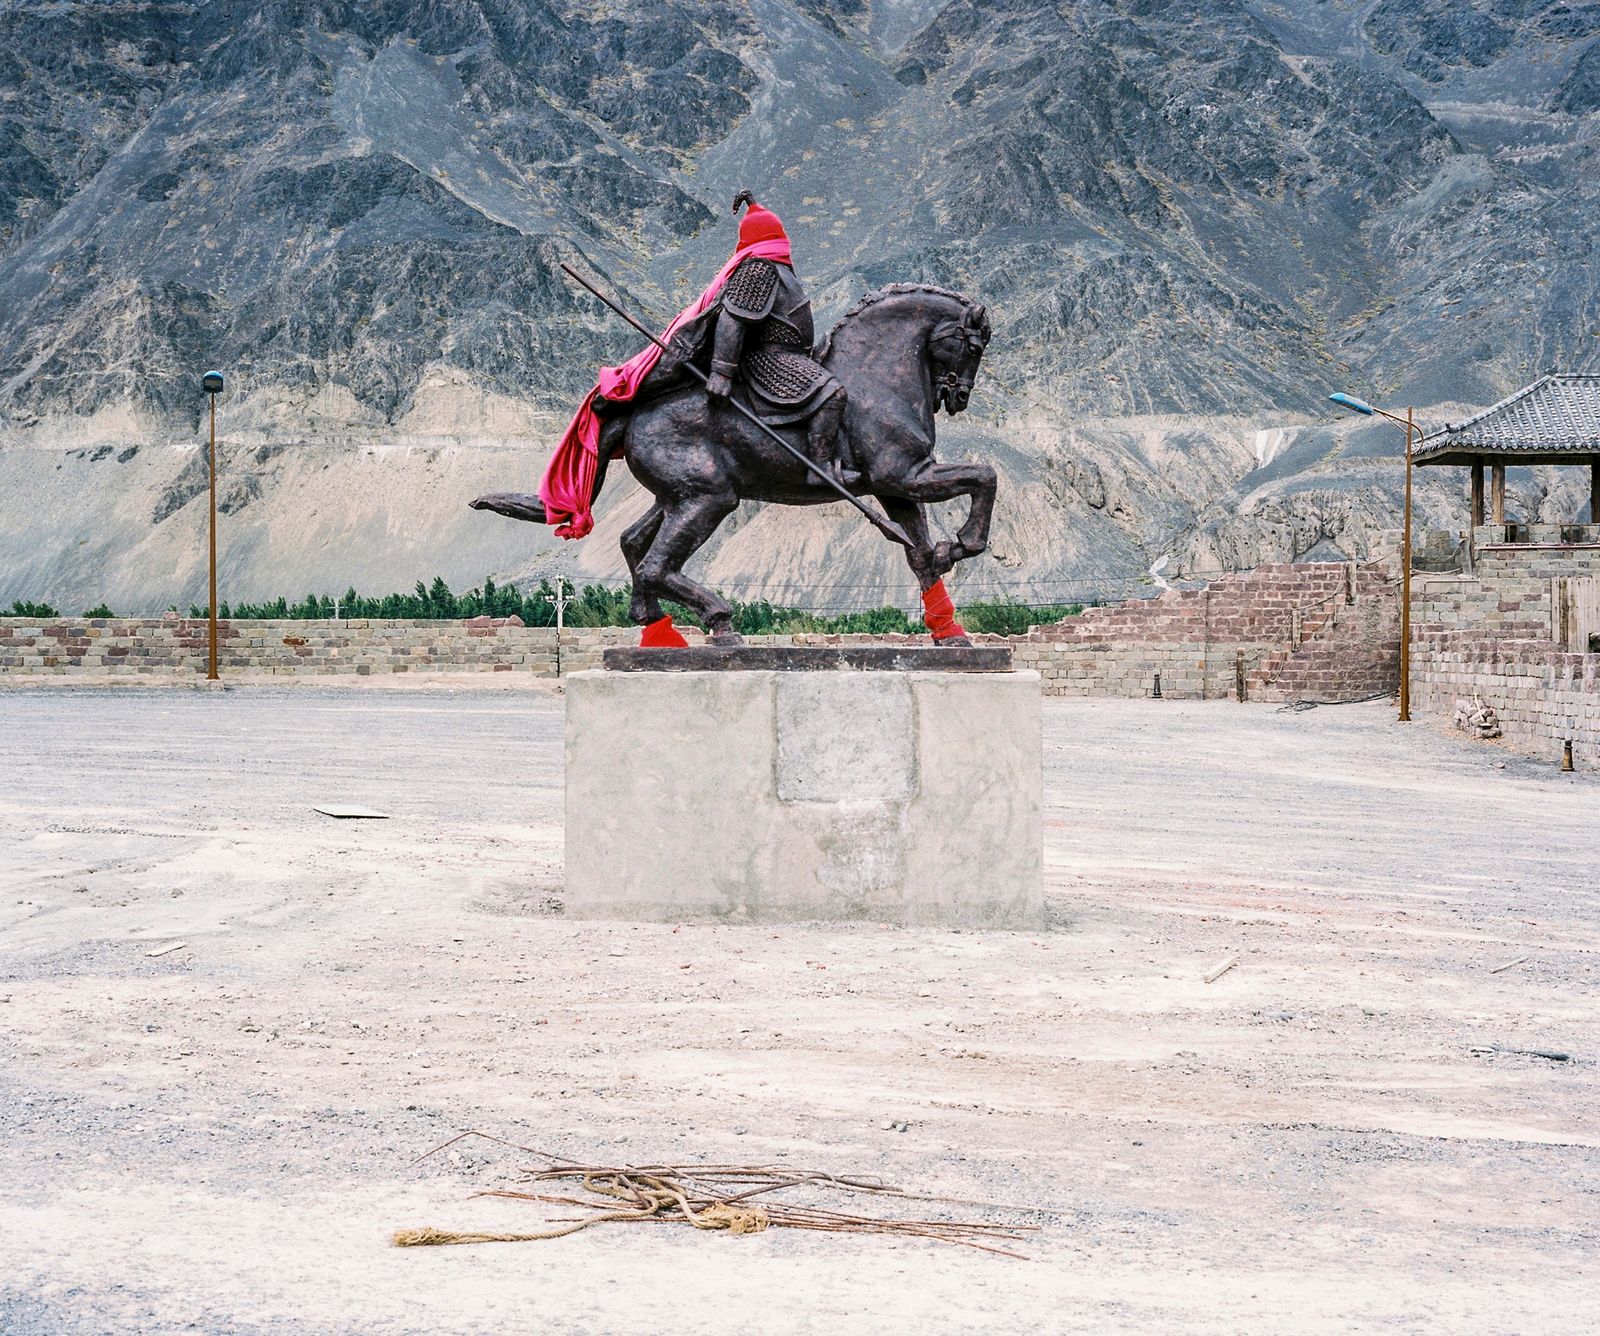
x,y
970,329
950,383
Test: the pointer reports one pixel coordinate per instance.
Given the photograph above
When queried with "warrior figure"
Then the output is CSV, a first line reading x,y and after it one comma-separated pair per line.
x,y
763,336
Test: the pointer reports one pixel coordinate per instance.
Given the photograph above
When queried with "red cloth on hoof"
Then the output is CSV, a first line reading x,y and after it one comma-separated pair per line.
x,y
662,634
939,612
567,488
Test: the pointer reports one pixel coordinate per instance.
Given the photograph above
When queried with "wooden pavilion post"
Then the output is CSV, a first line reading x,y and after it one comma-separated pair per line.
x,y
1594,490
1477,492
1497,493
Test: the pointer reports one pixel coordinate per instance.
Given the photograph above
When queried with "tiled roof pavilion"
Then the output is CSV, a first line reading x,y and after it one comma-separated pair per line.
x,y
1556,420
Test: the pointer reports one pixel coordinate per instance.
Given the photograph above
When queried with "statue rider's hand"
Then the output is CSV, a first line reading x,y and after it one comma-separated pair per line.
x,y
719,387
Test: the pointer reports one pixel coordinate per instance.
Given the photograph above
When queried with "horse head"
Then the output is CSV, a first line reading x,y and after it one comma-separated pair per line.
x,y
955,347
912,337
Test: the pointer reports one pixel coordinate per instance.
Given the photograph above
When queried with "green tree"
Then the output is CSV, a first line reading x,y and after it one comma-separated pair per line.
x,y
441,602
600,605
1013,619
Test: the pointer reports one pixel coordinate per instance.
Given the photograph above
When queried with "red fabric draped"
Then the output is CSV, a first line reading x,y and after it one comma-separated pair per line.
x,y
662,634
567,488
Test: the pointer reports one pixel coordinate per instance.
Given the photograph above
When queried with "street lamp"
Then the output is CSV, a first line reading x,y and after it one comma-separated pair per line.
x,y
211,383
1409,423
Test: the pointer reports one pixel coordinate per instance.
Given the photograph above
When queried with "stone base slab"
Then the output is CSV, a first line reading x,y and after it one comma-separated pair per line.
x,y
812,659
908,798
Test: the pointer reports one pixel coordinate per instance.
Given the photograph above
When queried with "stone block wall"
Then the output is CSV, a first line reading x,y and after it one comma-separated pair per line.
x,y
1321,630
1354,656
1508,592
1541,695
176,647
1492,633
1324,630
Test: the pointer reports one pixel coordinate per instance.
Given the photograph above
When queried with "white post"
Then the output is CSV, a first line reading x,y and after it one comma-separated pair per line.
x,y
560,600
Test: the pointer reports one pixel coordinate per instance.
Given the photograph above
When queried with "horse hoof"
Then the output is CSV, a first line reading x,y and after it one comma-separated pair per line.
x,y
726,639
945,556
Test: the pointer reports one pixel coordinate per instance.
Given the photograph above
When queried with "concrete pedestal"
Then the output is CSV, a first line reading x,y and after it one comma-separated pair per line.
x,y
764,796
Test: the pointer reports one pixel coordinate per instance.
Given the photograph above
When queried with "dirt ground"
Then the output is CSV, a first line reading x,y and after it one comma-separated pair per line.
x,y
221,1138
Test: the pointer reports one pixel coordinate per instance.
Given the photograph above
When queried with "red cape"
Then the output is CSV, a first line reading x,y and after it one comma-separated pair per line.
x,y
567,488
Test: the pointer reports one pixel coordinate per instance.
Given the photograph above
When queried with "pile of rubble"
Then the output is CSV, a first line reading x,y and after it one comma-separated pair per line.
x,y
1477,716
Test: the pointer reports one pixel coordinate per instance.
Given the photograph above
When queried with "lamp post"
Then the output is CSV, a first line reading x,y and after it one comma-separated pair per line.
x,y
1410,424
211,383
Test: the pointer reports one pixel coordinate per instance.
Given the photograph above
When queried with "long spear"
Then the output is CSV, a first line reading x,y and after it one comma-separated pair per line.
x,y
885,526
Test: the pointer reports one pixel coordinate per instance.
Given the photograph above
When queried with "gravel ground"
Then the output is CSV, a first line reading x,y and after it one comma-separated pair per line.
x,y
220,1138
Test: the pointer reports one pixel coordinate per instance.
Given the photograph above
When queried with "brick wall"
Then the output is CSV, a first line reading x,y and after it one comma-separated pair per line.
x,y
1491,632
119,647
1542,695
1318,630
1322,630
1507,592
1354,655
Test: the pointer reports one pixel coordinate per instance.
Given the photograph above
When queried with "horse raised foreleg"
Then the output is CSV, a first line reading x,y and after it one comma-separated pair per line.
x,y
914,521
943,482
685,526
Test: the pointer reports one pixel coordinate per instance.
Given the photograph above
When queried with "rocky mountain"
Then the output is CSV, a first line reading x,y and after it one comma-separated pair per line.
x,y
1189,218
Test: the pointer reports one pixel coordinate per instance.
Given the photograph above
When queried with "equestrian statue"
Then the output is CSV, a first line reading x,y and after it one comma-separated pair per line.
x,y
733,402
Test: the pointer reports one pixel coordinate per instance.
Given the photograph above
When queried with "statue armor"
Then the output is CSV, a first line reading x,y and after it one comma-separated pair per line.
x,y
764,333
751,289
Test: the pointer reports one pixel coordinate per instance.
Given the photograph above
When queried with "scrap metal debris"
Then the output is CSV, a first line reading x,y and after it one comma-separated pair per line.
x,y
350,812
1547,1054
741,1199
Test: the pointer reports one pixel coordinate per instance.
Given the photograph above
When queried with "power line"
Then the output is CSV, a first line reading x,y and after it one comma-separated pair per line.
x,y
822,598
1076,589
1119,582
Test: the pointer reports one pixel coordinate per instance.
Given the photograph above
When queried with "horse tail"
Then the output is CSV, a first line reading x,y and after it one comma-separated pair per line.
x,y
524,506
514,505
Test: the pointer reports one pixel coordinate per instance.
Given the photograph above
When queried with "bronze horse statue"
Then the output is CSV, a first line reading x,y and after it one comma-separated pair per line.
x,y
901,353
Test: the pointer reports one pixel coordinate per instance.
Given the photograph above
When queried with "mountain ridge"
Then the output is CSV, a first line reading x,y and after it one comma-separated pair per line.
x,y
1195,218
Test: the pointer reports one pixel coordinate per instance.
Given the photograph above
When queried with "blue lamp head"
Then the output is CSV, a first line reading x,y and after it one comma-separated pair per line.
x,y
211,382
1355,405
